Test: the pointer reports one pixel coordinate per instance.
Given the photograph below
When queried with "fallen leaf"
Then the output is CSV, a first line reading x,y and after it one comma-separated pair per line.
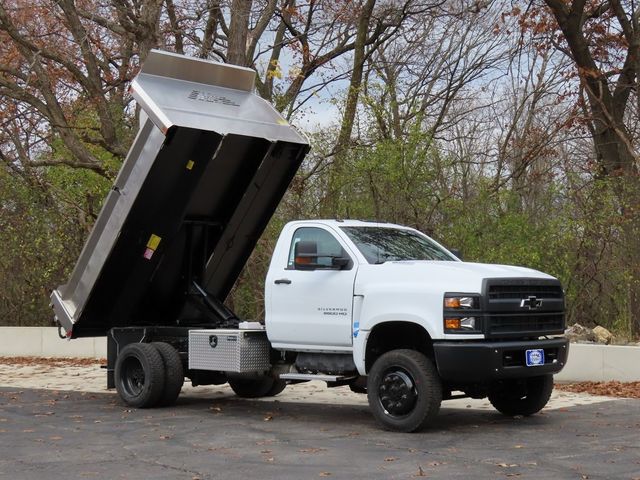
x,y
312,450
268,418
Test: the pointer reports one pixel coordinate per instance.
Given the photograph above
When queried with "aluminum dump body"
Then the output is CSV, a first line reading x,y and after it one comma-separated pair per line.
x,y
204,175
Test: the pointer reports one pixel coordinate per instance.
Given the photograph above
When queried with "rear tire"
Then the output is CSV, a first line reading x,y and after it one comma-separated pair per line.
x,y
522,397
173,373
404,390
253,387
277,388
139,375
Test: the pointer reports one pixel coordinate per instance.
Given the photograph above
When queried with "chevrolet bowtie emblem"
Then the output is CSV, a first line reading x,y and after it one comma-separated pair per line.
x,y
532,303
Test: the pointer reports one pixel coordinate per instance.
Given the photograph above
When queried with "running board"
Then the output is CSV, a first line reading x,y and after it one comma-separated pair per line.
x,y
311,376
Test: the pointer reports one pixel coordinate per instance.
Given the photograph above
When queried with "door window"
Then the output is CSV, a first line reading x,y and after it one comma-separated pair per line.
x,y
327,245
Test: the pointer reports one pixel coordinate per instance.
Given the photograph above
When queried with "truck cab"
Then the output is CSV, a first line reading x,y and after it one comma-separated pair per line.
x,y
345,288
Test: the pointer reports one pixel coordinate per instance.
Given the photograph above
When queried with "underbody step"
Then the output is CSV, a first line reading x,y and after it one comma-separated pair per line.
x,y
312,376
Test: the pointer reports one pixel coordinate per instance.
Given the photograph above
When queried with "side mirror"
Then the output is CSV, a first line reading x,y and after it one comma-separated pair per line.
x,y
456,252
305,255
306,258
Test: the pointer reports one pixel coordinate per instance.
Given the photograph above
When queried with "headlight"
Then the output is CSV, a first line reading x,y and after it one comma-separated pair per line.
x,y
460,302
466,323
462,313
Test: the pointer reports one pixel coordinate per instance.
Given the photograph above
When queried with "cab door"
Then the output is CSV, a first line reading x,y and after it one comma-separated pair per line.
x,y
311,309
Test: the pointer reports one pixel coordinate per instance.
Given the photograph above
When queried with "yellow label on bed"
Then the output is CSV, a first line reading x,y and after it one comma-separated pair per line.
x,y
190,164
153,242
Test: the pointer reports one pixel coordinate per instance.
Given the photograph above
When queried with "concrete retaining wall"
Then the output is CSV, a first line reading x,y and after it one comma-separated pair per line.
x,y
45,342
586,362
600,363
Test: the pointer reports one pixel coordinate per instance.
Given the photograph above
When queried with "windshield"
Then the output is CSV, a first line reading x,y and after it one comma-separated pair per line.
x,y
379,245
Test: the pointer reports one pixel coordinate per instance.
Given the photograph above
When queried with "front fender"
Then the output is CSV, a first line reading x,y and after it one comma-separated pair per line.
x,y
361,336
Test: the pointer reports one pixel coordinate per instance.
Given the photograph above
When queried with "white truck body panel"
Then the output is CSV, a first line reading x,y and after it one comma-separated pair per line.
x,y
314,312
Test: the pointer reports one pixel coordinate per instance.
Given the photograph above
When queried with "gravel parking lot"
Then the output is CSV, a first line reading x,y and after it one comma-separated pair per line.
x,y
81,431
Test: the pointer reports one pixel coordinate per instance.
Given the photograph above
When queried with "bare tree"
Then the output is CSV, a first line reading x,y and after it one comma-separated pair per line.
x,y
603,41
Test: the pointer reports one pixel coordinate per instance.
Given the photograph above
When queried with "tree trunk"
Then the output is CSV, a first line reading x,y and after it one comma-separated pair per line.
x,y
615,152
238,32
332,201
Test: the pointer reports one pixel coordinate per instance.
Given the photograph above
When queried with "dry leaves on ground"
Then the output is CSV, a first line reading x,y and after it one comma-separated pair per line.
x,y
54,362
610,389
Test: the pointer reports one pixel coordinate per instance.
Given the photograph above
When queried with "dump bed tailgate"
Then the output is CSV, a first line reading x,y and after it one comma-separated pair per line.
x,y
202,179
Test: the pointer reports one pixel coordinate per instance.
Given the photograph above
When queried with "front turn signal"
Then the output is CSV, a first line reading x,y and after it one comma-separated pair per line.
x,y
452,323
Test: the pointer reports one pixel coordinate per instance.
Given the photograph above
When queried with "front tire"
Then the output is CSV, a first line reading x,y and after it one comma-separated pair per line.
x,y
522,397
139,375
404,390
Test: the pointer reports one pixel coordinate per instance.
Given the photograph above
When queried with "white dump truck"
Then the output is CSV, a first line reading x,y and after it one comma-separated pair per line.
x,y
381,308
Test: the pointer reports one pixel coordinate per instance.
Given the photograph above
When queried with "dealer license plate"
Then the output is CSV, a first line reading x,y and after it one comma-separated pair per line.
x,y
535,357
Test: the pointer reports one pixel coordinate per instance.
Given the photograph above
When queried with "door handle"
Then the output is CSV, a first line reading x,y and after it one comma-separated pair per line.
x,y
280,281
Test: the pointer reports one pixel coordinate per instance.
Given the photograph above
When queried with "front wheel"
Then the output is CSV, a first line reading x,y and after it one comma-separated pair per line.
x,y
522,397
404,390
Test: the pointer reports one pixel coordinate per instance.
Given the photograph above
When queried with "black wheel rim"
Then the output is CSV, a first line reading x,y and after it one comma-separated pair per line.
x,y
397,392
132,376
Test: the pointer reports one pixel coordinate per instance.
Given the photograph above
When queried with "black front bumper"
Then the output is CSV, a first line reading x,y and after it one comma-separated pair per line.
x,y
481,362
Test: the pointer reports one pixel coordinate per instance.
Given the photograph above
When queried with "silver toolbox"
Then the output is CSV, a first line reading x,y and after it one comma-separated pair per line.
x,y
229,350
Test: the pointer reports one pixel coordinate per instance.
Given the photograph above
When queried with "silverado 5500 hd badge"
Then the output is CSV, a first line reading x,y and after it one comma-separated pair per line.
x,y
333,311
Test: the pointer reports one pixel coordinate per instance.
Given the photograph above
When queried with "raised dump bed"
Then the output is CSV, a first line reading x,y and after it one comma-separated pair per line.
x,y
204,175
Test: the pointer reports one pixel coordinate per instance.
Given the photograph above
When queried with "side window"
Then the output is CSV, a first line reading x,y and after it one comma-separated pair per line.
x,y
327,245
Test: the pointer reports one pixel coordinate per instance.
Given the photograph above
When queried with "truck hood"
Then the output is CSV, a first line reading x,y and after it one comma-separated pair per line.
x,y
445,276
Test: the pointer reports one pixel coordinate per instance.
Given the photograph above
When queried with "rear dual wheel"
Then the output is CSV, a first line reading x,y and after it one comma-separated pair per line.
x,y
149,375
257,387
173,373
